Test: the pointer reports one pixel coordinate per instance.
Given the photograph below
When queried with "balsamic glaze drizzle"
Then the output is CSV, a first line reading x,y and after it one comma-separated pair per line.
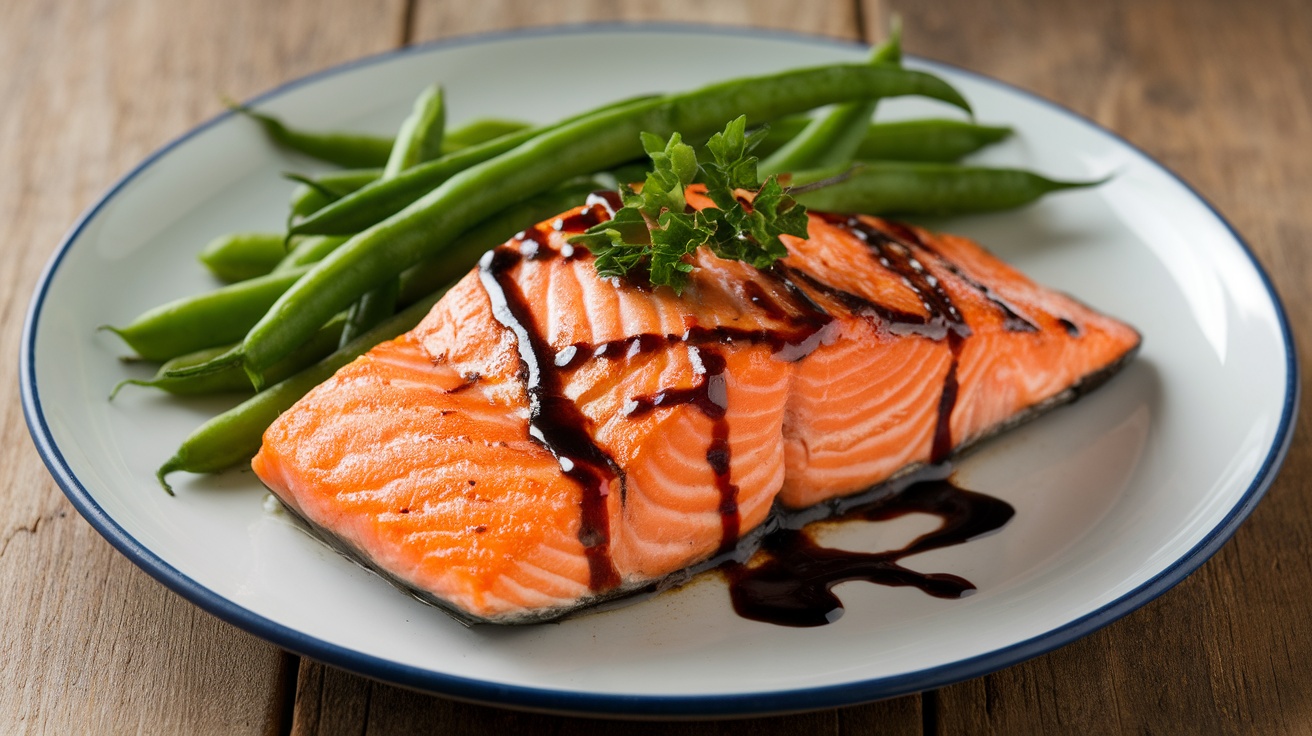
x,y
893,251
796,563
1011,320
793,586
898,320
532,243
585,218
711,397
554,419
608,198
947,400
898,257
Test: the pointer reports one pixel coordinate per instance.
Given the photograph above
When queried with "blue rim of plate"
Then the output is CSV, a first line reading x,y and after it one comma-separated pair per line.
x,y
573,702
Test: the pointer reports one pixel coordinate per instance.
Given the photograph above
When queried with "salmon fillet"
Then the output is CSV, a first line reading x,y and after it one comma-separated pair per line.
x,y
546,439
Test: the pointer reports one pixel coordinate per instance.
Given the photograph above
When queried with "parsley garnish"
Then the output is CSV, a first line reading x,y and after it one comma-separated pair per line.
x,y
654,232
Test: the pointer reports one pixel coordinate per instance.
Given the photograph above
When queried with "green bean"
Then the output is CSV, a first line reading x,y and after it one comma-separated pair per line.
x,y
415,284
220,381
419,140
590,143
352,150
372,307
932,140
479,131
308,251
241,256
316,193
234,436
220,316
832,139
464,251
903,188
420,137
941,141
378,201
233,380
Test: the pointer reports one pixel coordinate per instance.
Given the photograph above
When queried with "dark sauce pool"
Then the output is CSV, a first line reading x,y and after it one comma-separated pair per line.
x,y
790,580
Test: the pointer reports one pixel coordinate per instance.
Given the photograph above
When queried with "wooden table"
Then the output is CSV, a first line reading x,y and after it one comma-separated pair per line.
x,y
1218,91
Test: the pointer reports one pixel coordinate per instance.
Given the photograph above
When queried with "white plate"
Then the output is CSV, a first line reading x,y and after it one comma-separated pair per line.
x,y
1118,497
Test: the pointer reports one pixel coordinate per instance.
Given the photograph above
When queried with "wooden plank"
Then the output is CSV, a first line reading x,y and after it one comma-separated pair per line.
x,y
330,701
433,20
91,644
1218,92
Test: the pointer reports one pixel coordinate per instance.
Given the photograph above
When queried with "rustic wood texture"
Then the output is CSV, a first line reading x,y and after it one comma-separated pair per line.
x,y
90,644
437,19
1218,91
330,702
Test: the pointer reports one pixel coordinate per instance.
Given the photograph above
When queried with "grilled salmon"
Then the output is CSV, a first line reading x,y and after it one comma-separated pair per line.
x,y
546,439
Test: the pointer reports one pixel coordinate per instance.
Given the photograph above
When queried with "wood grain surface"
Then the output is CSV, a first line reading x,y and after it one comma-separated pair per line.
x,y
1218,91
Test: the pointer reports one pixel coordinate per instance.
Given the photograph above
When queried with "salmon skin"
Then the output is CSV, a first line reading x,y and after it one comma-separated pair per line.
x,y
545,439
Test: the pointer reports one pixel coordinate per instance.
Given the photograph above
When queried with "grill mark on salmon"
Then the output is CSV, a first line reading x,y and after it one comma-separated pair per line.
x,y
873,349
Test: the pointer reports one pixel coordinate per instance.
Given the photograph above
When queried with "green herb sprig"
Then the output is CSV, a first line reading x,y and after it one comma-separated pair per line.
x,y
654,232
